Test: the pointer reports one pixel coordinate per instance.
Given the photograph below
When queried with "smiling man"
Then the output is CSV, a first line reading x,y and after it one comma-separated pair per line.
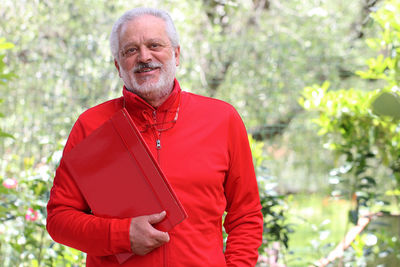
x,y
200,144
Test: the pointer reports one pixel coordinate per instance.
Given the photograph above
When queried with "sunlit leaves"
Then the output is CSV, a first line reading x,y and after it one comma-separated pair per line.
x,y
354,129
4,76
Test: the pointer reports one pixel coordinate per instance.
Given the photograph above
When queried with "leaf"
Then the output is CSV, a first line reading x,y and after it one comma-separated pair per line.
x,y
387,104
353,216
5,45
6,135
368,180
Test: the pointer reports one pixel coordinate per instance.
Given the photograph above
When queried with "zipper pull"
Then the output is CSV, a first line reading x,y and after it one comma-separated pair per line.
x,y
155,116
158,143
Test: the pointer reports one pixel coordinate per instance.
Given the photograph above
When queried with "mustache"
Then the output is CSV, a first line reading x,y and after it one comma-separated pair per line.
x,y
150,65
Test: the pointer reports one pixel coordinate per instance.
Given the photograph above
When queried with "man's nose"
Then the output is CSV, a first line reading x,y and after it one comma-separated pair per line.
x,y
144,55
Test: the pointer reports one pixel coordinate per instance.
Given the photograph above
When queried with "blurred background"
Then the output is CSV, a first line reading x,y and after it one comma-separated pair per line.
x,y
316,83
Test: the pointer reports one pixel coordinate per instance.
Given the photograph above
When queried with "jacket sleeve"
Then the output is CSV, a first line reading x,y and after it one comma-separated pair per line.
x,y
244,220
69,220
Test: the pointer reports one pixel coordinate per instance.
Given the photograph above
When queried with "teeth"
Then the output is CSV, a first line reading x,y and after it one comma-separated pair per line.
x,y
145,70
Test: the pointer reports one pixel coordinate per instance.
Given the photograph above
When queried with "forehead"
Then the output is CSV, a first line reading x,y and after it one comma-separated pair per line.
x,y
143,28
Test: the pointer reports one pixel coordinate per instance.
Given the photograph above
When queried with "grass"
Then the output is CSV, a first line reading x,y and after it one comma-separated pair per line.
x,y
319,223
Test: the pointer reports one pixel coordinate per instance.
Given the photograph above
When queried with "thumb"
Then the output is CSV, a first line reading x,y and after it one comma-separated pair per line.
x,y
156,218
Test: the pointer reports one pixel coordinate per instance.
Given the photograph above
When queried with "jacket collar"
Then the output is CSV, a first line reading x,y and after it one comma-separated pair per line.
x,y
145,116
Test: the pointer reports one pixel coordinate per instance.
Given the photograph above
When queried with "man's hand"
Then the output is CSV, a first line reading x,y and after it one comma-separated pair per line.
x,y
144,237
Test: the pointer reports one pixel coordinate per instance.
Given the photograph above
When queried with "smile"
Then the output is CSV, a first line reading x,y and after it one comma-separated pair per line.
x,y
143,70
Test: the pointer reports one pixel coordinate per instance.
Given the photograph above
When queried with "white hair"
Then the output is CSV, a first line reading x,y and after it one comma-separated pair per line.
x,y
135,13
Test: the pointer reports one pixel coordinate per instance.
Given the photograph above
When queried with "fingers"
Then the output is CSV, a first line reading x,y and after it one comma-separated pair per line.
x,y
162,237
144,237
156,218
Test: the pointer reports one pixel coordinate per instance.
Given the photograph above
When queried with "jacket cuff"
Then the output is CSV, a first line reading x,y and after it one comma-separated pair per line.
x,y
119,235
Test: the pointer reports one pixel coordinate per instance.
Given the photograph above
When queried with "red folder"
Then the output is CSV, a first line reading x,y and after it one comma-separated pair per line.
x,y
119,177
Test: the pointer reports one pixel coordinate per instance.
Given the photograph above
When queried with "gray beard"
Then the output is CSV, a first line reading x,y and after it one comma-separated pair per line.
x,y
152,90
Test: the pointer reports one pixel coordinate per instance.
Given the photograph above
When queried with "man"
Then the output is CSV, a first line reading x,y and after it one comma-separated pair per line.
x,y
200,144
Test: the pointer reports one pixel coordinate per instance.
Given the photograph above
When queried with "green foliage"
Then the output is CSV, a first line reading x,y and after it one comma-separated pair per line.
x,y
2,133
273,53
4,76
389,70
387,104
274,207
23,197
24,239
355,133
386,65
318,227
363,138
352,129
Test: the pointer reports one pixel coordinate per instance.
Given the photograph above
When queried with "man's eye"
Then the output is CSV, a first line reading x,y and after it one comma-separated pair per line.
x,y
130,51
155,45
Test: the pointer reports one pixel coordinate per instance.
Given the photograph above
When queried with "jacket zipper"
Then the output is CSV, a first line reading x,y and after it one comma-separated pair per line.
x,y
157,134
158,137
158,145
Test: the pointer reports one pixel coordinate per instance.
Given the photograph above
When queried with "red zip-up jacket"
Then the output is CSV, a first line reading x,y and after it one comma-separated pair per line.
x,y
206,158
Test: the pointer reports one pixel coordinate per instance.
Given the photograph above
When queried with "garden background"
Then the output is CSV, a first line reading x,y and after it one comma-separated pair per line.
x,y
316,83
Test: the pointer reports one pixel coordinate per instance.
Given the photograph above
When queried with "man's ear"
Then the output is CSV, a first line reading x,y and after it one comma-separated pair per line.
x,y
177,51
117,66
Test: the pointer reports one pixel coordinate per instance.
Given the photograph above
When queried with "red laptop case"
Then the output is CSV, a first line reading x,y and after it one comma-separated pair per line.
x,y
119,177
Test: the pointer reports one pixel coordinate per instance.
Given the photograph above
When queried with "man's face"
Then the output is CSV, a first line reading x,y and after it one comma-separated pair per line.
x,y
147,61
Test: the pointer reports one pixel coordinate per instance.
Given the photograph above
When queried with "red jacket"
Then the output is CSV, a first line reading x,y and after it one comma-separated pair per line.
x,y
206,158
